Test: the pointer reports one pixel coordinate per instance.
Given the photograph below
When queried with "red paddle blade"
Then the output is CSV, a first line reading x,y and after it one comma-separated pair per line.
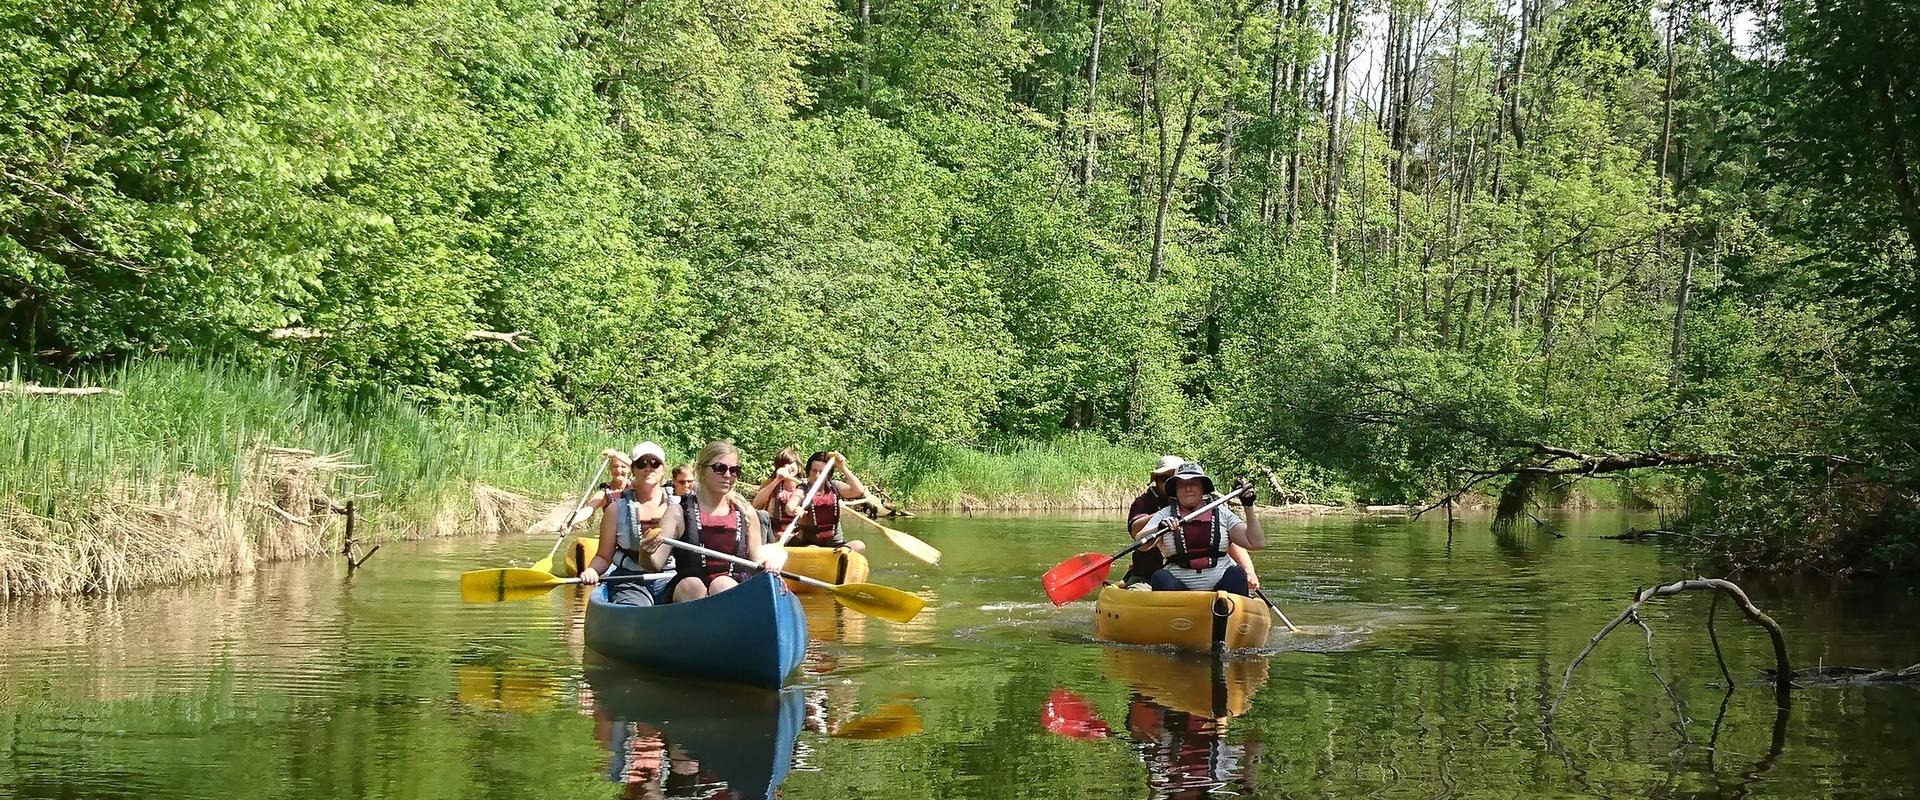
x,y
1073,578
1067,714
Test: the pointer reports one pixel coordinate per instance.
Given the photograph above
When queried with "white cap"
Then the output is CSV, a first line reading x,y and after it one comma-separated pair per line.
x,y
1168,464
649,449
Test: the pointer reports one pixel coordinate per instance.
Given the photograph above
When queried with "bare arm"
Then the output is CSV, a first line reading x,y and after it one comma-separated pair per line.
x,y
1241,556
1247,534
853,488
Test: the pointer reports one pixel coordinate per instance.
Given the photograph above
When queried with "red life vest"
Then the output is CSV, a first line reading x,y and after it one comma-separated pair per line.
x,y
1199,542
822,523
781,519
719,532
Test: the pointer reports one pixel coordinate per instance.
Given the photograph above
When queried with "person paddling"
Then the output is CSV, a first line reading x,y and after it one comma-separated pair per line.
x,y
820,520
632,512
779,495
717,519
1196,552
1148,560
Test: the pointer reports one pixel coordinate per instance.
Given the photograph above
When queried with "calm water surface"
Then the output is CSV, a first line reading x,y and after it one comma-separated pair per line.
x,y
1432,660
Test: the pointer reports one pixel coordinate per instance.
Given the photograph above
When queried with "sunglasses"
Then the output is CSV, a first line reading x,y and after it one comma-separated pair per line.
x,y
648,462
725,469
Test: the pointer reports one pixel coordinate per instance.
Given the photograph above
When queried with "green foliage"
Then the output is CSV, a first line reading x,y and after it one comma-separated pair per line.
x,y
901,225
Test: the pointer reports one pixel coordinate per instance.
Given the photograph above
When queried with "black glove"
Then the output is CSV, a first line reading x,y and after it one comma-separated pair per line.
x,y
1247,493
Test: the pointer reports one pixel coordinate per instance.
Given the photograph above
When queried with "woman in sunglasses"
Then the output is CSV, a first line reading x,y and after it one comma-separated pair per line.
x,y
633,512
717,519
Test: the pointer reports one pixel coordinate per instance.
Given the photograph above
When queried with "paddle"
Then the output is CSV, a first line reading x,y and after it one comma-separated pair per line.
x,y
1070,715
889,721
574,518
908,543
870,599
804,500
1262,594
1073,578
511,583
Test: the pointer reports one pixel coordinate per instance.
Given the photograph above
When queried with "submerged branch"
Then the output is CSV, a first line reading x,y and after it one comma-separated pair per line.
x,y
1783,669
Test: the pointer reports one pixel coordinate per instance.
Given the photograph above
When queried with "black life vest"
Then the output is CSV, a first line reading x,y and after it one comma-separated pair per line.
x,y
1199,542
724,534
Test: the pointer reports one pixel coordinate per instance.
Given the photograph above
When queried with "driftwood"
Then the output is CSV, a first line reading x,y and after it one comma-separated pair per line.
x,y
511,339
36,390
1782,673
1851,676
1637,534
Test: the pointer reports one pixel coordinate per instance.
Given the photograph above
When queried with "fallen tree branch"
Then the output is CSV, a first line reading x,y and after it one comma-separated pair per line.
x,y
1783,680
34,389
300,333
512,339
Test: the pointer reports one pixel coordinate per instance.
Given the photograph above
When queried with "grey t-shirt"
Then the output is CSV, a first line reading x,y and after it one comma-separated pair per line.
x,y
1199,580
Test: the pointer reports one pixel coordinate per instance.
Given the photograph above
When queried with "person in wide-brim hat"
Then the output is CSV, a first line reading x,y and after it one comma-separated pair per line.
x,y
1197,551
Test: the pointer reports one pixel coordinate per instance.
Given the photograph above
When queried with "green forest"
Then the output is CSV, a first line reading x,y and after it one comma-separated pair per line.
x,y
1394,250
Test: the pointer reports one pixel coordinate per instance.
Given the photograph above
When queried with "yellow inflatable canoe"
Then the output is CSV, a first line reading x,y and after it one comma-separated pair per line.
x,y
1206,687
835,565
1198,621
573,554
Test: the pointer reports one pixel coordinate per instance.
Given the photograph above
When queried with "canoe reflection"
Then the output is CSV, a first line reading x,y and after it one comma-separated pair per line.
x,y
1176,722
669,737
1177,719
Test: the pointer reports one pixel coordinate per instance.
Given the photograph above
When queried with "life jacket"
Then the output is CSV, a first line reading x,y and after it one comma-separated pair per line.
x,y
1199,542
822,522
629,527
722,533
781,519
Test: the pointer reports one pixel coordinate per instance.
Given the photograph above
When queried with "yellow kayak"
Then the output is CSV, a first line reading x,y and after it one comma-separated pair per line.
x,y
1206,687
573,554
835,565
1198,621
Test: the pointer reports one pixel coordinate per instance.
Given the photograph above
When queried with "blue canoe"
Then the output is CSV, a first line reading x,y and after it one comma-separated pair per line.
x,y
752,634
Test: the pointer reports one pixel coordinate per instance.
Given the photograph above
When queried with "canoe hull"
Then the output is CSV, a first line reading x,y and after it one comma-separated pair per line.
x,y
835,565
1198,621
752,634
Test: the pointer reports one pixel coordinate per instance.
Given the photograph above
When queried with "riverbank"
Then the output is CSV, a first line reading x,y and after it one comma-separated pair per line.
x,y
177,471
185,471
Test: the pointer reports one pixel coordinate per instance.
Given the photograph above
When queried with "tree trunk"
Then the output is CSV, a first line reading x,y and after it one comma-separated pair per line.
x,y
1167,184
1087,157
1678,349
866,49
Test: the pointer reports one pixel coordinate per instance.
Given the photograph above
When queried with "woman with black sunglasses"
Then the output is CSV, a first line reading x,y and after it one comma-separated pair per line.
x,y
717,519
632,513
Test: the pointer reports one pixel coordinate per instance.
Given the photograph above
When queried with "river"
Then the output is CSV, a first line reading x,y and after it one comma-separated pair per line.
x,y
1429,660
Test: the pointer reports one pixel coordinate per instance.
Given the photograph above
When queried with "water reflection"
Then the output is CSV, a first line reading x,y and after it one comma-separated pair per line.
x,y
676,738
1176,719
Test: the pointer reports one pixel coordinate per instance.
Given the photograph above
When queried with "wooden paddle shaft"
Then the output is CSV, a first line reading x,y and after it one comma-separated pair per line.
x,y
825,474
584,493
691,547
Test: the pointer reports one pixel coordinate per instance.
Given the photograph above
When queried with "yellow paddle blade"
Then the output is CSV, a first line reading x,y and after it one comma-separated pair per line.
x,y
875,600
890,721
500,585
907,542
